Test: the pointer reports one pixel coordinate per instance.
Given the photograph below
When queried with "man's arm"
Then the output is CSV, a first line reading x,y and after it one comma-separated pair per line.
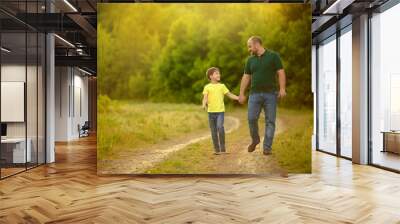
x,y
243,87
232,96
205,101
282,83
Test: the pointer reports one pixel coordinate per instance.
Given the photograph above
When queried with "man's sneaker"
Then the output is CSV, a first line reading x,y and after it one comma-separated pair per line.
x,y
267,151
217,153
253,146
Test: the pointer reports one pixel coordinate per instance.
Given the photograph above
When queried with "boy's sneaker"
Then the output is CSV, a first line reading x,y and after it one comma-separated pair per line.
x,y
253,146
217,153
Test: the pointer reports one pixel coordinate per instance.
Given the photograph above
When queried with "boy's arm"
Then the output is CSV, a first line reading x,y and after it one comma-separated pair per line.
x,y
205,101
232,96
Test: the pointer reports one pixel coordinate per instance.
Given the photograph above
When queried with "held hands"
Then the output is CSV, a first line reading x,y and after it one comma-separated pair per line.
x,y
242,99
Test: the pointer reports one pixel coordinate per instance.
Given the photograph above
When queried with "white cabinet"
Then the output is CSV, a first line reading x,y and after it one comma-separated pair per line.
x,y
19,155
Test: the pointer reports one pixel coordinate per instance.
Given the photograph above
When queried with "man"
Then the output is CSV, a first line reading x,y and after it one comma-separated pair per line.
x,y
260,72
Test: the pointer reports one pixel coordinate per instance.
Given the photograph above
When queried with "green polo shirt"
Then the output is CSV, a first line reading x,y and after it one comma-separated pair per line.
x,y
263,70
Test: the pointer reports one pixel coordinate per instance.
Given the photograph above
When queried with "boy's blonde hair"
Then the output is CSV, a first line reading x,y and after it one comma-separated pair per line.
x,y
211,71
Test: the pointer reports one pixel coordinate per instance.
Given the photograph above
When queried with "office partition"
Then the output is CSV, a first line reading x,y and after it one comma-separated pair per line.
x,y
22,78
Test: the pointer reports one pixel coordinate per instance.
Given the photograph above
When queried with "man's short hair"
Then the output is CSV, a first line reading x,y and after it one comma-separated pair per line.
x,y
256,39
211,71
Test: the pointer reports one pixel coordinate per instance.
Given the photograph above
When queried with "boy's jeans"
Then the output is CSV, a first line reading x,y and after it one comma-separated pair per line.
x,y
216,121
266,101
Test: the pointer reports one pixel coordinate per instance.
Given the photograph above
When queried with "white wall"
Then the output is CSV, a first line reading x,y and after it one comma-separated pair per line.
x,y
80,100
71,94
13,73
62,81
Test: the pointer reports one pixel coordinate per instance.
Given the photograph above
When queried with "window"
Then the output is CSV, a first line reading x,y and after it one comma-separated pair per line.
x,y
327,95
385,89
346,93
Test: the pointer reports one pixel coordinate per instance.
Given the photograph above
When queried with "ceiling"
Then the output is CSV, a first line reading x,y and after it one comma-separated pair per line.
x,y
330,15
74,22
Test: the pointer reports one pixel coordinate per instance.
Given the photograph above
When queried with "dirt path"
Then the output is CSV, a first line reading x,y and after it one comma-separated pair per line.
x,y
239,160
140,160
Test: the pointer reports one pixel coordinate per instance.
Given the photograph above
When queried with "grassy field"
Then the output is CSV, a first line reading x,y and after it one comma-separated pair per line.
x,y
126,128
126,125
291,150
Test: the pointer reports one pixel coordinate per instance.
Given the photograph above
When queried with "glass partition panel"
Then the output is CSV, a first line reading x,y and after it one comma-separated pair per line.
x,y
15,151
22,88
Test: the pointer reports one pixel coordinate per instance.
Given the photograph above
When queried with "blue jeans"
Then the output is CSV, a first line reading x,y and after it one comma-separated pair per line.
x,y
266,101
216,121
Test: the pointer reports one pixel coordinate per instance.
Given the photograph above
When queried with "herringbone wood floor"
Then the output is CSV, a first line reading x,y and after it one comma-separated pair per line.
x,y
69,191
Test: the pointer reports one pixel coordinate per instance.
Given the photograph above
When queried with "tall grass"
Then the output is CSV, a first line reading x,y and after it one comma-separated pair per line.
x,y
127,125
292,148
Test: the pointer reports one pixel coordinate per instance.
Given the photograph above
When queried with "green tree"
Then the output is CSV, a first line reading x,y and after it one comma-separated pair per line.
x,y
160,52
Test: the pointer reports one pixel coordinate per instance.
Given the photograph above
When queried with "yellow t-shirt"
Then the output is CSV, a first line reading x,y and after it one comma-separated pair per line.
x,y
215,96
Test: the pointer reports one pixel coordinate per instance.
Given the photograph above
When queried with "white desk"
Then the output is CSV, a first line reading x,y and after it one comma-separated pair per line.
x,y
18,154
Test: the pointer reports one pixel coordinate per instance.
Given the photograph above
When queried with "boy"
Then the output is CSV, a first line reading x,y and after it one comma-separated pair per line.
x,y
213,101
